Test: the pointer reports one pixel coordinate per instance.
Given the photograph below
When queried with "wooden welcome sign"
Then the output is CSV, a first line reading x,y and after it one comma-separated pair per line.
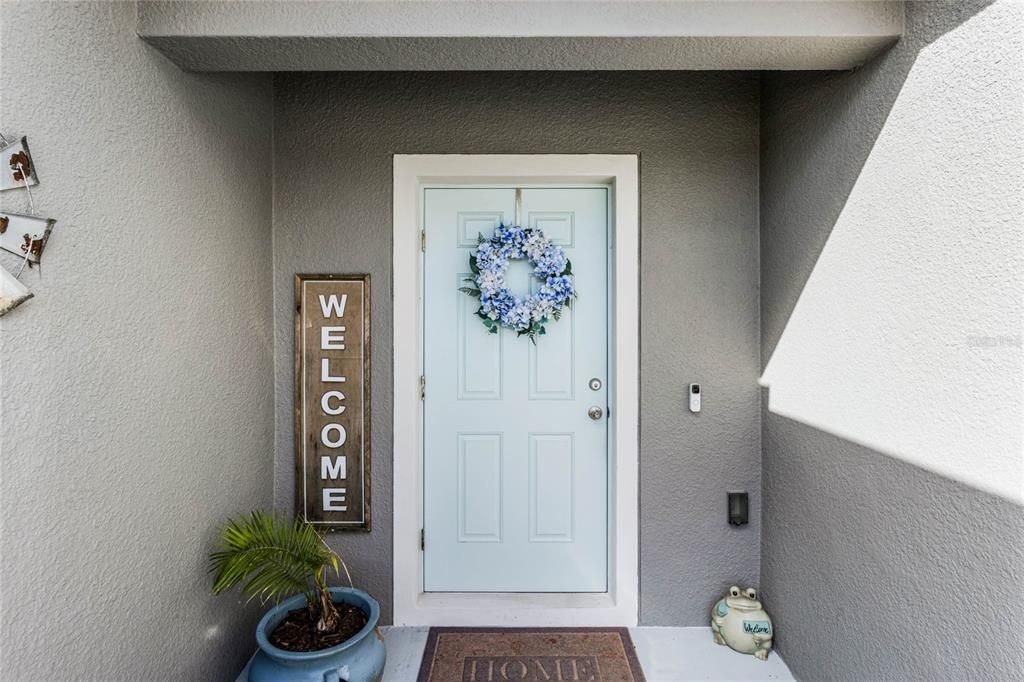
x,y
332,400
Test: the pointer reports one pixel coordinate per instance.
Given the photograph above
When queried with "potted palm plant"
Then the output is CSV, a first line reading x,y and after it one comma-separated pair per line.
x,y
322,633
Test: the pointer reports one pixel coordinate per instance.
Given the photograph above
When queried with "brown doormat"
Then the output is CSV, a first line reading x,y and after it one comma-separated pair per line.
x,y
530,655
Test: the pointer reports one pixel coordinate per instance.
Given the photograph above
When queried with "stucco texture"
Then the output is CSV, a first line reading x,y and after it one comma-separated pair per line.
x,y
697,136
136,395
552,35
892,273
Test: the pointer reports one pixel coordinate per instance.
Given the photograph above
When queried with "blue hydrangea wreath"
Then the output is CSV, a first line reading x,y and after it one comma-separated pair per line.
x,y
498,306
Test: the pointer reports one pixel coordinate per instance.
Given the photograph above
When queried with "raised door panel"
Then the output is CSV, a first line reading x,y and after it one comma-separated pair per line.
x,y
552,487
479,490
479,363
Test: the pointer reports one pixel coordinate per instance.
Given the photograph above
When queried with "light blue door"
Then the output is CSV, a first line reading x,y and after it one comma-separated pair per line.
x,y
515,469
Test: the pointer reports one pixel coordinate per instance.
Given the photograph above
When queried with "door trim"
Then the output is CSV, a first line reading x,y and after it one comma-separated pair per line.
x,y
620,605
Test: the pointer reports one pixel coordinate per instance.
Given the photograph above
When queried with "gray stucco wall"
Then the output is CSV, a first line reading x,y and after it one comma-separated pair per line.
x,y
136,394
282,35
697,135
873,567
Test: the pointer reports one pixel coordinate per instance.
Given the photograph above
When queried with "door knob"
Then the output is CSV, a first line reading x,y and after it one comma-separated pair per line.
x,y
595,412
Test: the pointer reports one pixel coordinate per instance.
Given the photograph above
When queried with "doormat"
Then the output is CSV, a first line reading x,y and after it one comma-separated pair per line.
x,y
530,655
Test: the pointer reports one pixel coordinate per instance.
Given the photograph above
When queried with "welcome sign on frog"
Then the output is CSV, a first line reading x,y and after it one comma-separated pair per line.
x,y
739,621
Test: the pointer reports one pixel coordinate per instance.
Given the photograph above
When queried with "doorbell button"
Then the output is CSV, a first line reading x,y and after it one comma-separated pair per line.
x,y
694,393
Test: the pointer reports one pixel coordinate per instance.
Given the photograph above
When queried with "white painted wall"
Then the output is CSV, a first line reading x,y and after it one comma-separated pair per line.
x,y
906,337
135,388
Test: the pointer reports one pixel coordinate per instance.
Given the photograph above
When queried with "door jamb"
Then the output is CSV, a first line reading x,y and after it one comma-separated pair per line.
x,y
620,605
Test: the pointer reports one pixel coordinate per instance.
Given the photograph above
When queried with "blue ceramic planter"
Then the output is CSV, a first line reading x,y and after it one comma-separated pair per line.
x,y
359,659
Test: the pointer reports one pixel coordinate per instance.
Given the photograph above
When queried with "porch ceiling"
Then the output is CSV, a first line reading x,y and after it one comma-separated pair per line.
x,y
450,35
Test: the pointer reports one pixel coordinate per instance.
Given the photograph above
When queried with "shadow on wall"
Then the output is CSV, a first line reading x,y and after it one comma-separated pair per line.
x,y
879,570
892,256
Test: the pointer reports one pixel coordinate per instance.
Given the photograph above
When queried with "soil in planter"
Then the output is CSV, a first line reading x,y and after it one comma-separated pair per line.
x,y
297,632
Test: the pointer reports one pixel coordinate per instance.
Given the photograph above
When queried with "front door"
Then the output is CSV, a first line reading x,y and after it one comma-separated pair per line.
x,y
515,462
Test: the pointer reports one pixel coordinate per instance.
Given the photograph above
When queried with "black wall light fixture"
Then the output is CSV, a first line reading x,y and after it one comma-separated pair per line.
x,y
739,509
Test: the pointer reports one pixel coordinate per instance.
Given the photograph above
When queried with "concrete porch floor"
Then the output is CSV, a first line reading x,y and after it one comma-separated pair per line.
x,y
666,655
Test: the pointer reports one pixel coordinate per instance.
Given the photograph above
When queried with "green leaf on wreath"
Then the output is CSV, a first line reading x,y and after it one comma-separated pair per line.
x,y
494,329
472,264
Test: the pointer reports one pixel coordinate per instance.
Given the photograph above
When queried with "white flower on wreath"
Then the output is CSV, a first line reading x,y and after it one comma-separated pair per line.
x,y
535,245
543,309
490,282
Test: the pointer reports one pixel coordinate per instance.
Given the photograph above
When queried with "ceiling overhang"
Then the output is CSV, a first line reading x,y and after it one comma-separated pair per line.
x,y
452,35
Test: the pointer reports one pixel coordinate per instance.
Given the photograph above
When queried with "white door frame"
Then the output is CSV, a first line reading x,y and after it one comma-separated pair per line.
x,y
620,605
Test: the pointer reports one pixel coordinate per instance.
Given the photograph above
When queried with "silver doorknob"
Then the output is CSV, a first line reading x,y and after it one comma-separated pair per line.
x,y
595,412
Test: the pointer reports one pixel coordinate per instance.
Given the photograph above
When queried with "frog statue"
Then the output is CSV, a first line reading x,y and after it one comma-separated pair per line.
x,y
740,621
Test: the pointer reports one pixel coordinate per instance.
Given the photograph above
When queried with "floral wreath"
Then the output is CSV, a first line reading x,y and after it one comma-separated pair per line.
x,y
498,307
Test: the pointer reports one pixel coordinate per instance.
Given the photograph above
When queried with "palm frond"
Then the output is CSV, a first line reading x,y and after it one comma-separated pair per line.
x,y
273,556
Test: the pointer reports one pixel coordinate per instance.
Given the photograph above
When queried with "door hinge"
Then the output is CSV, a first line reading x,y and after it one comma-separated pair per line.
x,y
423,540
423,387
423,240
